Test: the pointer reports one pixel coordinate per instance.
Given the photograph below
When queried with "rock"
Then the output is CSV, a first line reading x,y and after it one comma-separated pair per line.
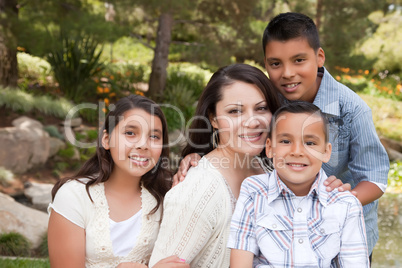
x,y
39,194
24,146
73,122
18,218
394,155
391,144
55,145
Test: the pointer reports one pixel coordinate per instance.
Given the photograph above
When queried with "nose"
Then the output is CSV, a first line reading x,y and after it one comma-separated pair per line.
x,y
297,149
288,71
251,121
142,142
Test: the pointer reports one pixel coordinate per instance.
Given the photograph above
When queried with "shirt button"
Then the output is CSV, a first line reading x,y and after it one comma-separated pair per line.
x,y
274,226
322,231
300,241
299,210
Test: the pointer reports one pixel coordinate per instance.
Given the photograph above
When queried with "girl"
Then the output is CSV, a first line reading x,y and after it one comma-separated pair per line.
x,y
109,213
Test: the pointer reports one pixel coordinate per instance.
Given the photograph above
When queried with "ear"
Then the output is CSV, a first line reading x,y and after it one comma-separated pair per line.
x,y
268,148
105,140
327,154
212,119
320,57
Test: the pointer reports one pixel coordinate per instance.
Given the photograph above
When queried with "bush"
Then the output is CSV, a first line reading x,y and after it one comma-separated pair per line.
x,y
42,250
20,101
14,244
24,263
74,63
32,70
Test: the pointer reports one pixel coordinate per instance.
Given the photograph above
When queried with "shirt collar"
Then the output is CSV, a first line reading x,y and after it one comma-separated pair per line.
x,y
277,187
327,98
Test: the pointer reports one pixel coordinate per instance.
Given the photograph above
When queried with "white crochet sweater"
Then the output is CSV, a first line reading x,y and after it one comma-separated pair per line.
x,y
73,203
196,219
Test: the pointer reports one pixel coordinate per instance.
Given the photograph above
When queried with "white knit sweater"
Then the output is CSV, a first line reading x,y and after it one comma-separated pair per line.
x,y
196,219
72,202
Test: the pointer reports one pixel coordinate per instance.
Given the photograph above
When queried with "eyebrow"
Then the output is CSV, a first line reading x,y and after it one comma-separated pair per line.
x,y
238,104
136,127
293,57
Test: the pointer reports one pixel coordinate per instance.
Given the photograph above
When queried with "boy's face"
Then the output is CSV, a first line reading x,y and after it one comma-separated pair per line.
x,y
292,67
298,148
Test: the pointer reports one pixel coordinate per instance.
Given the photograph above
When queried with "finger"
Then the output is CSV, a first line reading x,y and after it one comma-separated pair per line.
x,y
329,180
354,193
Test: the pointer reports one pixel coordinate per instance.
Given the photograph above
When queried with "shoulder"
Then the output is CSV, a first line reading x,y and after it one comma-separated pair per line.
x,y
73,187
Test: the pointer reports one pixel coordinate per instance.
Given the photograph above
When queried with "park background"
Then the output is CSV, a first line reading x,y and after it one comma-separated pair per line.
x,y
57,54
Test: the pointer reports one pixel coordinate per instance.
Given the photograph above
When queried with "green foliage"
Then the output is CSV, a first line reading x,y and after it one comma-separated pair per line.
x,y
14,244
53,131
387,115
185,83
395,177
18,100
74,63
6,177
127,48
68,152
43,250
24,263
384,46
32,70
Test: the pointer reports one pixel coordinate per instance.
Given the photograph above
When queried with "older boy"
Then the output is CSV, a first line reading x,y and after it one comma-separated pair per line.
x,y
294,61
287,218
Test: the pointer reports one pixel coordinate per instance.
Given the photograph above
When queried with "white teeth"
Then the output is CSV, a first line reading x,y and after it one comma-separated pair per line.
x,y
249,137
297,165
138,158
291,85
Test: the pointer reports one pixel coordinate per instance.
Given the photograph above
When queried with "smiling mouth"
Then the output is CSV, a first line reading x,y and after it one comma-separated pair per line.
x,y
250,137
138,159
296,165
291,86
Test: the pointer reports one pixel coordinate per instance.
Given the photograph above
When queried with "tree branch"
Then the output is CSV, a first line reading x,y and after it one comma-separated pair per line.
x,y
139,38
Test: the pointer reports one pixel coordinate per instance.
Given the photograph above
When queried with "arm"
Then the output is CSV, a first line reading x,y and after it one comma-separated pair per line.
x,y
185,164
241,258
369,161
66,242
188,223
353,250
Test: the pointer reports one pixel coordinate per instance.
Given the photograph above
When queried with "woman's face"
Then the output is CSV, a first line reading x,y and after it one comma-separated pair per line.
x,y
242,119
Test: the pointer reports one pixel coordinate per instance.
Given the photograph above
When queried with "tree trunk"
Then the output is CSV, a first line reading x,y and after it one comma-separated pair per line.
x,y
157,80
8,43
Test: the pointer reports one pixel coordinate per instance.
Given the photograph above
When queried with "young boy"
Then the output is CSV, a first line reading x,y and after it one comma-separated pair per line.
x,y
294,61
287,218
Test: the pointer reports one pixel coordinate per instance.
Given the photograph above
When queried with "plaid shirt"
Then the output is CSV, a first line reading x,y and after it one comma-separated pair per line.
x,y
318,230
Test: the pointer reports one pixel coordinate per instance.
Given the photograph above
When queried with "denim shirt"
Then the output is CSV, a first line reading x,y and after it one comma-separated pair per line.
x,y
357,153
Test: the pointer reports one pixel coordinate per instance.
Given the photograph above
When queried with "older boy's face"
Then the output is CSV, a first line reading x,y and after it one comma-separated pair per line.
x,y
292,67
298,148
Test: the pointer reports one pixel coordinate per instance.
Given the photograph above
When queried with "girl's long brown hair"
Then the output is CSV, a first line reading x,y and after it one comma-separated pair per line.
x,y
99,167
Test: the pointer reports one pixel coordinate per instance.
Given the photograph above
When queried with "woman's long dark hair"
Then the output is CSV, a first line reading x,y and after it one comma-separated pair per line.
x,y
99,167
200,132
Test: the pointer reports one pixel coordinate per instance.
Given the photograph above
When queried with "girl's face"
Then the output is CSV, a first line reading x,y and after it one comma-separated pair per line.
x,y
242,119
135,143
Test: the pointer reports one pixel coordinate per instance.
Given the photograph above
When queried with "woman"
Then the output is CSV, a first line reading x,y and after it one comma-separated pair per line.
x,y
229,130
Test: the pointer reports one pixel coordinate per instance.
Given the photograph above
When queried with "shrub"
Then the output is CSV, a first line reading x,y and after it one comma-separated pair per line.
x,y
42,250
14,244
32,70
74,63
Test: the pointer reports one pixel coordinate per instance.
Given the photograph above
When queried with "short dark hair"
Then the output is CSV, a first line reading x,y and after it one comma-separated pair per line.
x,y
291,25
299,107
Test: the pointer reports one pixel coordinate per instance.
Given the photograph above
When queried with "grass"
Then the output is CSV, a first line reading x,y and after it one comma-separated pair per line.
x,y
24,263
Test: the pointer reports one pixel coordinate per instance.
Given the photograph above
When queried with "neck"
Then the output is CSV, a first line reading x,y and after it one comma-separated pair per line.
x,y
123,183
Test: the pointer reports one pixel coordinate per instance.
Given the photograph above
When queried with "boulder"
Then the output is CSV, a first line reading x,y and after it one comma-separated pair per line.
x,y
393,148
55,145
18,218
39,194
23,146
